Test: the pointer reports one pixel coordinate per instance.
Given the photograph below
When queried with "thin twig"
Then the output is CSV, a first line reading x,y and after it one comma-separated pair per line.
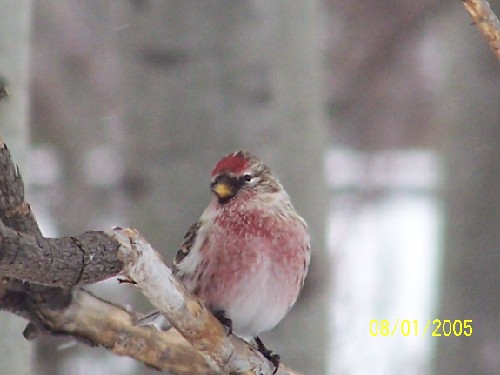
x,y
486,21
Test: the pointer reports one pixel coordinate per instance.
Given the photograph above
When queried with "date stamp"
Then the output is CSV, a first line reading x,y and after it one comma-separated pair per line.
x,y
406,327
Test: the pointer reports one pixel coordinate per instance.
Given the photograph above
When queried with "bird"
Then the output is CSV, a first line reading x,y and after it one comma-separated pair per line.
x,y
247,256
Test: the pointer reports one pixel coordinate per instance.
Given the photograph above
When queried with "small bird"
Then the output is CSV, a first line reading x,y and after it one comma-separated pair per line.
x,y
248,254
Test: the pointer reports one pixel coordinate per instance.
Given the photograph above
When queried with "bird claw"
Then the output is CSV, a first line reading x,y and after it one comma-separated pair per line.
x,y
125,281
226,322
268,354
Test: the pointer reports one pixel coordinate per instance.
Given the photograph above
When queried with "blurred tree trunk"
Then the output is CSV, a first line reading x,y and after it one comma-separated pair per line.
x,y
471,144
16,353
76,115
202,79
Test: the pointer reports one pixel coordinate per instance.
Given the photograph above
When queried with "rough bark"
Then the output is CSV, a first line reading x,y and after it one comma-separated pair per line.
x,y
77,313
68,261
87,318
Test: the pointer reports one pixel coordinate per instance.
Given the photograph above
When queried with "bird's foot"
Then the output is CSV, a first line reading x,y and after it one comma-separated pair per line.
x,y
268,354
226,322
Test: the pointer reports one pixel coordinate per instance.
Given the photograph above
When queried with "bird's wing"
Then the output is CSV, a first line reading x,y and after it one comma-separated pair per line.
x,y
187,243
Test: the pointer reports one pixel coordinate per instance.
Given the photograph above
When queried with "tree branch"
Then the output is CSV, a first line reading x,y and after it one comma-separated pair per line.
x,y
486,21
96,322
65,262
36,273
144,267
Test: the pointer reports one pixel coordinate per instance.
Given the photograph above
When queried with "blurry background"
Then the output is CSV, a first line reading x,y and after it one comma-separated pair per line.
x,y
382,120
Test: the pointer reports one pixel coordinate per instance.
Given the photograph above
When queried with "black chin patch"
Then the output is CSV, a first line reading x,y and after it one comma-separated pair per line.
x,y
223,200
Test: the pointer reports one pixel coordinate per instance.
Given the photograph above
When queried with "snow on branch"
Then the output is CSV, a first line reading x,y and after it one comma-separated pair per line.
x,y
39,279
486,21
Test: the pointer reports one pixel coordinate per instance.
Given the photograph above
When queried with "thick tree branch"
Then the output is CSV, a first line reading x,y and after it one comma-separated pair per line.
x,y
65,262
26,255
35,273
94,321
486,21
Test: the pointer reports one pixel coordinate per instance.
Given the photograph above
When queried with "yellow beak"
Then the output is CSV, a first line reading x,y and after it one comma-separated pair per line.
x,y
222,189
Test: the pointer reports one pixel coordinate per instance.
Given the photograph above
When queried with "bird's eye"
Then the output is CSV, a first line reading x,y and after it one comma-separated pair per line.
x,y
247,177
